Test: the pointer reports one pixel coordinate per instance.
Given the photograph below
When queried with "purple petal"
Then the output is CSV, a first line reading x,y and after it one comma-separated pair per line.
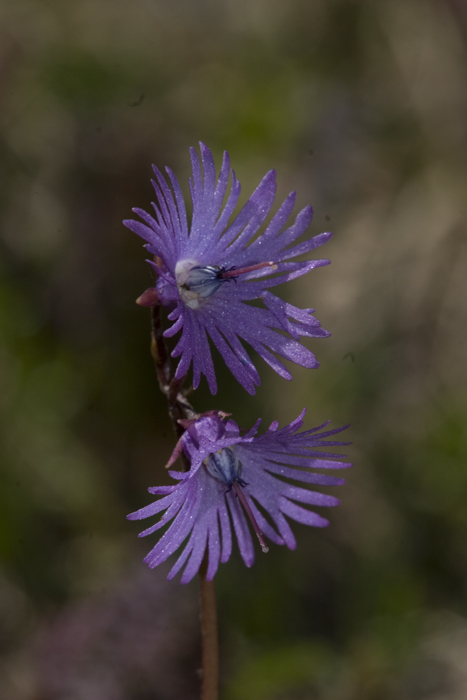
x,y
214,547
245,543
312,498
307,517
226,530
228,209
180,204
200,536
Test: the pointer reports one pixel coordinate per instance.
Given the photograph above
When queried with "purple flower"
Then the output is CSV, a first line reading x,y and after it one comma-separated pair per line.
x,y
207,274
231,476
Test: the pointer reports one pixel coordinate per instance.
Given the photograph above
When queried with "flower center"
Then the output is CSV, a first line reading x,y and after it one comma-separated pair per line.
x,y
196,283
225,466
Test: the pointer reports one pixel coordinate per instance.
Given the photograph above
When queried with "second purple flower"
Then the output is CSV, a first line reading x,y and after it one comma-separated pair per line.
x,y
233,479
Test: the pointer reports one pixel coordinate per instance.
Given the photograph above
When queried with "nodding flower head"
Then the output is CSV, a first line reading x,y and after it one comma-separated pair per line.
x,y
208,272
233,480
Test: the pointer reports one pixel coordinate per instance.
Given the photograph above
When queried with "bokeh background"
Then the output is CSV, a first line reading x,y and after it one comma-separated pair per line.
x,y
362,108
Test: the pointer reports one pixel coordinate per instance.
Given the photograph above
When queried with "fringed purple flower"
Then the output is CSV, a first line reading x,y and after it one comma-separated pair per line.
x,y
209,272
233,479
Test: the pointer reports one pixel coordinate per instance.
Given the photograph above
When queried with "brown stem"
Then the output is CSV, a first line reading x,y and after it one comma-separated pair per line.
x,y
210,650
181,409
241,497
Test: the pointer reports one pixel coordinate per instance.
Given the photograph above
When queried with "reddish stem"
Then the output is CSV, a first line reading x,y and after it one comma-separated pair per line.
x,y
180,411
249,512
210,650
243,270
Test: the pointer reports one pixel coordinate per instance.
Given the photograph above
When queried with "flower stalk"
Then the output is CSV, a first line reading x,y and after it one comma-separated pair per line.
x,y
170,386
209,640
181,411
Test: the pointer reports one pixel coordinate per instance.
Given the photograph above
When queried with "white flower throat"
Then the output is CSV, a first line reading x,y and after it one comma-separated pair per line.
x,y
197,283
225,466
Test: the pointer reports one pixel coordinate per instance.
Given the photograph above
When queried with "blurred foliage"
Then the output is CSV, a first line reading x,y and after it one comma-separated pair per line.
x,y
362,108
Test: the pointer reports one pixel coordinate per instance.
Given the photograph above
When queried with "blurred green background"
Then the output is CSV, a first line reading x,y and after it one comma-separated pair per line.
x,y
361,106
